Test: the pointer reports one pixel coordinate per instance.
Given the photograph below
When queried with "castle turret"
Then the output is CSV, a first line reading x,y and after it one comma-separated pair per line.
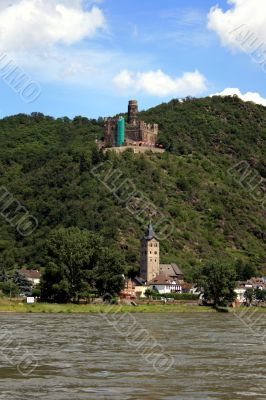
x,y
132,112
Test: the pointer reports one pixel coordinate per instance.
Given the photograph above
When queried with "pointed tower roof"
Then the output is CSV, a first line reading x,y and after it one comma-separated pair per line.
x,y
149,235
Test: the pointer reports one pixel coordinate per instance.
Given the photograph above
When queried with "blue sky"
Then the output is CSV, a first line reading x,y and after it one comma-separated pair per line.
x,y
89,57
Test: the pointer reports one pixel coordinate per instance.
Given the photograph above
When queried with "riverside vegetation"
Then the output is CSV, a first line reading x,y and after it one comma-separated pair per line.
x,y
46,164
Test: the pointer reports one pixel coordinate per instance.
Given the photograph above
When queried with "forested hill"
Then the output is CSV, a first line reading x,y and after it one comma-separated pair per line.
x,y
46,164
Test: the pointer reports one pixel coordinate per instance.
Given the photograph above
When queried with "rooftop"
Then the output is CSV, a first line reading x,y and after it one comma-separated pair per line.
x,y
163,280
149,235
31,273
170,270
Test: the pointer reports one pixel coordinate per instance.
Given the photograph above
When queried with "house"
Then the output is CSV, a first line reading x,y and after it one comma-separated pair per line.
x,y
128,291
140,287
171,270
34,276
252,283
187,288
165,284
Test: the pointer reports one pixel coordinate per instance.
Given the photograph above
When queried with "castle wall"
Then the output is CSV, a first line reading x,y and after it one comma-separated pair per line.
x,y
110,132
148,132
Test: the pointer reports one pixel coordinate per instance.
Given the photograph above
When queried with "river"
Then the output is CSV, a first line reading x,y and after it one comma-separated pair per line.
x,y
76,357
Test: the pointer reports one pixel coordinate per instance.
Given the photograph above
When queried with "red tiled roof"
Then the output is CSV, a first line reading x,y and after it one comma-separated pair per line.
x,y
31,273
162,280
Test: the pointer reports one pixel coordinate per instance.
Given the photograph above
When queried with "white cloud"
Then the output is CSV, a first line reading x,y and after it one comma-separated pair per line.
x,y
249,96
157,83
242,26
35,24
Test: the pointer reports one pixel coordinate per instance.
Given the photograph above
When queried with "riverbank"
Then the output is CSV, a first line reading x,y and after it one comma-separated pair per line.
x,y
15,307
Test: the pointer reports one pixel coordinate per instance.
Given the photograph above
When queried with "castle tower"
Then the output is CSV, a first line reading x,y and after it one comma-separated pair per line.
x,y
150,255
132,112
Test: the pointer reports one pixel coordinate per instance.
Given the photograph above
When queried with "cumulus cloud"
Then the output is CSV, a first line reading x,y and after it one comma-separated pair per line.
x,y
159,84
242,26
32,24
249,96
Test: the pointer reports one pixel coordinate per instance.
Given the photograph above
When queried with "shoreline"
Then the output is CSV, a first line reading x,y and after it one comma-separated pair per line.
x,y
99,308
40,308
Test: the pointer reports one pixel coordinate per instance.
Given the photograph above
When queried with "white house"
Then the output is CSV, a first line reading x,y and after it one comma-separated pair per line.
x,y
34,276
164,284
241,289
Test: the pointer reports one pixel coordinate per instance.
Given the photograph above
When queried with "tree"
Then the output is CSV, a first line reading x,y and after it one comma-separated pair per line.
x,y
217,282
3,275
9,288
148,293
7,260
22,283
78,264
249,296
72,254
260,294
245,271
108,274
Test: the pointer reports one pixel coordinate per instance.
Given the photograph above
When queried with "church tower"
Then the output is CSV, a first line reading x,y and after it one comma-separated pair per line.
x,y
150,255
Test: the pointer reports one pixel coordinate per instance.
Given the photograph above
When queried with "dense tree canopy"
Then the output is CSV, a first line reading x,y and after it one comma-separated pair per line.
x,y
46,164
217,281
77,264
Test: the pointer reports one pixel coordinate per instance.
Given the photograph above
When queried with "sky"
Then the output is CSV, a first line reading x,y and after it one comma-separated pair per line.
x,y
75,57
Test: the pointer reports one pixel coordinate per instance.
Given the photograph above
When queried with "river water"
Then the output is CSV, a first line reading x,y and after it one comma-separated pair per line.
x,y
76,357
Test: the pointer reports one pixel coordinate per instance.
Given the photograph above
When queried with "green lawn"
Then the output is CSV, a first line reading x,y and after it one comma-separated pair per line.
x,y
12,306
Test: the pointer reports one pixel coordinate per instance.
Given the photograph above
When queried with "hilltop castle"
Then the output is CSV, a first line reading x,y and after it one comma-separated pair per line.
x,y
118,132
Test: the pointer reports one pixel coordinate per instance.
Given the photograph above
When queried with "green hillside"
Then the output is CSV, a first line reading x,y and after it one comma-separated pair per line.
x,y
46,164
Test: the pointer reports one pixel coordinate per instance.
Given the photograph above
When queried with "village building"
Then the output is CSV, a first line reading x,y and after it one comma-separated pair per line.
x,y
128,291
165,278
243,286
171,270
34,276
150,266
163,284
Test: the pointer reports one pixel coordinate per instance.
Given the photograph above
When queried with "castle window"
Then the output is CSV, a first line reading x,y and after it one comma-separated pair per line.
x,y
155,252
151,245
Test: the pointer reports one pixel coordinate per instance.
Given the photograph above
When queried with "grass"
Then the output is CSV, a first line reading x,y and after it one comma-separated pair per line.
x,y
13,306
16,307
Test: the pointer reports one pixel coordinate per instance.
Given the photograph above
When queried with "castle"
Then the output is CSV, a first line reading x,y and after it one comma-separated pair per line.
x,y
118,132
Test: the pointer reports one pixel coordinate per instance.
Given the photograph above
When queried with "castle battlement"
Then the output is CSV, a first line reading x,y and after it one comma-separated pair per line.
x,y
149,128
137,133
